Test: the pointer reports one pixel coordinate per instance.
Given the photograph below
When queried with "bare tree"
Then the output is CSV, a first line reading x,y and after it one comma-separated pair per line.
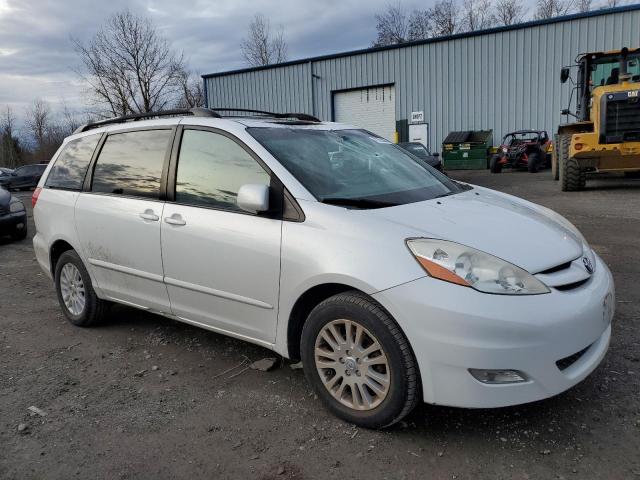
x,y
192,94
420,25
9,144
38,116
476,14
583,5
552,8
445,18
392,25
395,25
613,3
129,66
508,12
261,46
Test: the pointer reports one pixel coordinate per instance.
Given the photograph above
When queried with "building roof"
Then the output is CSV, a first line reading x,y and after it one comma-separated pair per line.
x,y
533,23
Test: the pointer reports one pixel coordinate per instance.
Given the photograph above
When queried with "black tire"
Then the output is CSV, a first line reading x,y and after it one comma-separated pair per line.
x,y
404,387
572,177
494,165
560,150
20,234
94,309
533,162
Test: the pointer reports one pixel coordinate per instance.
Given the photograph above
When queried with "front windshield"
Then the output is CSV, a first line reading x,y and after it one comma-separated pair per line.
x,y
516,138
606,70
353,165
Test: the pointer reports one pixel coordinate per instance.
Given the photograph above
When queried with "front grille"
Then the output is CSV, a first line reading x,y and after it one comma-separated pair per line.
x,y
557,268
3,210
566,362
622,119
571,286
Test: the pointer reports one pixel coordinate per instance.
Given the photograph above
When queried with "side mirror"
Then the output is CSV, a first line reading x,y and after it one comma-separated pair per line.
x,y
564,74
253,198
436,154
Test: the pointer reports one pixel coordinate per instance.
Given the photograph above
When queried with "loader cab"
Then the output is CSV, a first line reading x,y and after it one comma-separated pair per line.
x,y
601,70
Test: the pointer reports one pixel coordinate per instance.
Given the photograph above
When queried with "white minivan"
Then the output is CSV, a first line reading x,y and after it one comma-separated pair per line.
x,y
324,242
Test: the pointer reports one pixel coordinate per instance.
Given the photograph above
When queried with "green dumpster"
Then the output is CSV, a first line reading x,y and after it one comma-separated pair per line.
x,y
466,150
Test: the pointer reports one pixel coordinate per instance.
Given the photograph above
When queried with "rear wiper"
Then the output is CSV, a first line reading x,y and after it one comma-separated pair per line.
x,y
357,202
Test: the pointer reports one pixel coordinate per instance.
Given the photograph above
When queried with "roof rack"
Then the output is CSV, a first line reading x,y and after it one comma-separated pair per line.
x,y
298,116
196,112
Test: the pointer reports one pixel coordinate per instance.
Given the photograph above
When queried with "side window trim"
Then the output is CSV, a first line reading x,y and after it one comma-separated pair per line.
x,y
88,180
278,195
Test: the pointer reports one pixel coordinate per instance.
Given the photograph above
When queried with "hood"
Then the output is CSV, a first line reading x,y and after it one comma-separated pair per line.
x,y
515,230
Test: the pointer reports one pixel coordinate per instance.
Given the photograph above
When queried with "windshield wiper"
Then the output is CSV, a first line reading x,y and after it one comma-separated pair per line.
x,y
445,194
357,202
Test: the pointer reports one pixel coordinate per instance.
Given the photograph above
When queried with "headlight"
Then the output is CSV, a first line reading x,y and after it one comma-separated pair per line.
x,y
16,207
469,267
504,149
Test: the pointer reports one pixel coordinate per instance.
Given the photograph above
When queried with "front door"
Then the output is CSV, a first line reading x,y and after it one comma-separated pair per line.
x,y
118,221
221,265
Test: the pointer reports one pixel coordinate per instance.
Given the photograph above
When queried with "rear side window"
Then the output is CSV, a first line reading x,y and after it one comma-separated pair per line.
x,y
71,166
131,163
212,168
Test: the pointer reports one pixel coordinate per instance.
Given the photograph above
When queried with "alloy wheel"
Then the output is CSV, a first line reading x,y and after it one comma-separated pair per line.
x,y
72,289
352,364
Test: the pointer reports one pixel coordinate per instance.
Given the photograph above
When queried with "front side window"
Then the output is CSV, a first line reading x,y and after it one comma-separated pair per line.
x,y
352,167
71,166
212,168
131,163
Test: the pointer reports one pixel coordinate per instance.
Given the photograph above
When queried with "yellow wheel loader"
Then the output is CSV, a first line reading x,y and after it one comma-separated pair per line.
x,y
605,135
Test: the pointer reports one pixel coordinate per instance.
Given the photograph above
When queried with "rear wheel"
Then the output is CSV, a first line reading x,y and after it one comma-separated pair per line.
x,y
560,148
75,292
495,165
359,362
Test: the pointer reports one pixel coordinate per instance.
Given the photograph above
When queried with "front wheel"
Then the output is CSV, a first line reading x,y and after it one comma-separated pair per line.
x,y
533,162
359,362
76,296
20,234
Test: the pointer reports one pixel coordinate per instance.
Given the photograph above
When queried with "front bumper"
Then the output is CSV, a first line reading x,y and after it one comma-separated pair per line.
x,y
13,222
453,328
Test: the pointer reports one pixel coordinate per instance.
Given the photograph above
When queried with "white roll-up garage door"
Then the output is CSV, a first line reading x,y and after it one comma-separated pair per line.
x,y
371,108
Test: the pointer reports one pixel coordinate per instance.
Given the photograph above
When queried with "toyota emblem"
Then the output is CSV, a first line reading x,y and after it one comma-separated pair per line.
x,y
587,264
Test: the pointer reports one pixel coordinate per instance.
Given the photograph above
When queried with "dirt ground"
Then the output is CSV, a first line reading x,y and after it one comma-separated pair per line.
x,y
146,397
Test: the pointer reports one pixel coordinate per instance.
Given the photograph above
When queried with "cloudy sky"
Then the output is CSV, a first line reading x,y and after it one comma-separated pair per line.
x,y
37,57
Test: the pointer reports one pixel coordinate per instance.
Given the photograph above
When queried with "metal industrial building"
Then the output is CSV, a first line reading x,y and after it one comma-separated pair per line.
x,y
503,79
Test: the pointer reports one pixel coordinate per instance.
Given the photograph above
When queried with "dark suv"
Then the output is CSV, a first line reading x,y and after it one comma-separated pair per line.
x,y
23,178
420,151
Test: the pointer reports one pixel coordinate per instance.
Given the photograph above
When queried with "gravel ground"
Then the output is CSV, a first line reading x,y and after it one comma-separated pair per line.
x,y
146,397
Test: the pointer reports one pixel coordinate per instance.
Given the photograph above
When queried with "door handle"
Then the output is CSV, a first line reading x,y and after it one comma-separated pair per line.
x,y
175,219
149,214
